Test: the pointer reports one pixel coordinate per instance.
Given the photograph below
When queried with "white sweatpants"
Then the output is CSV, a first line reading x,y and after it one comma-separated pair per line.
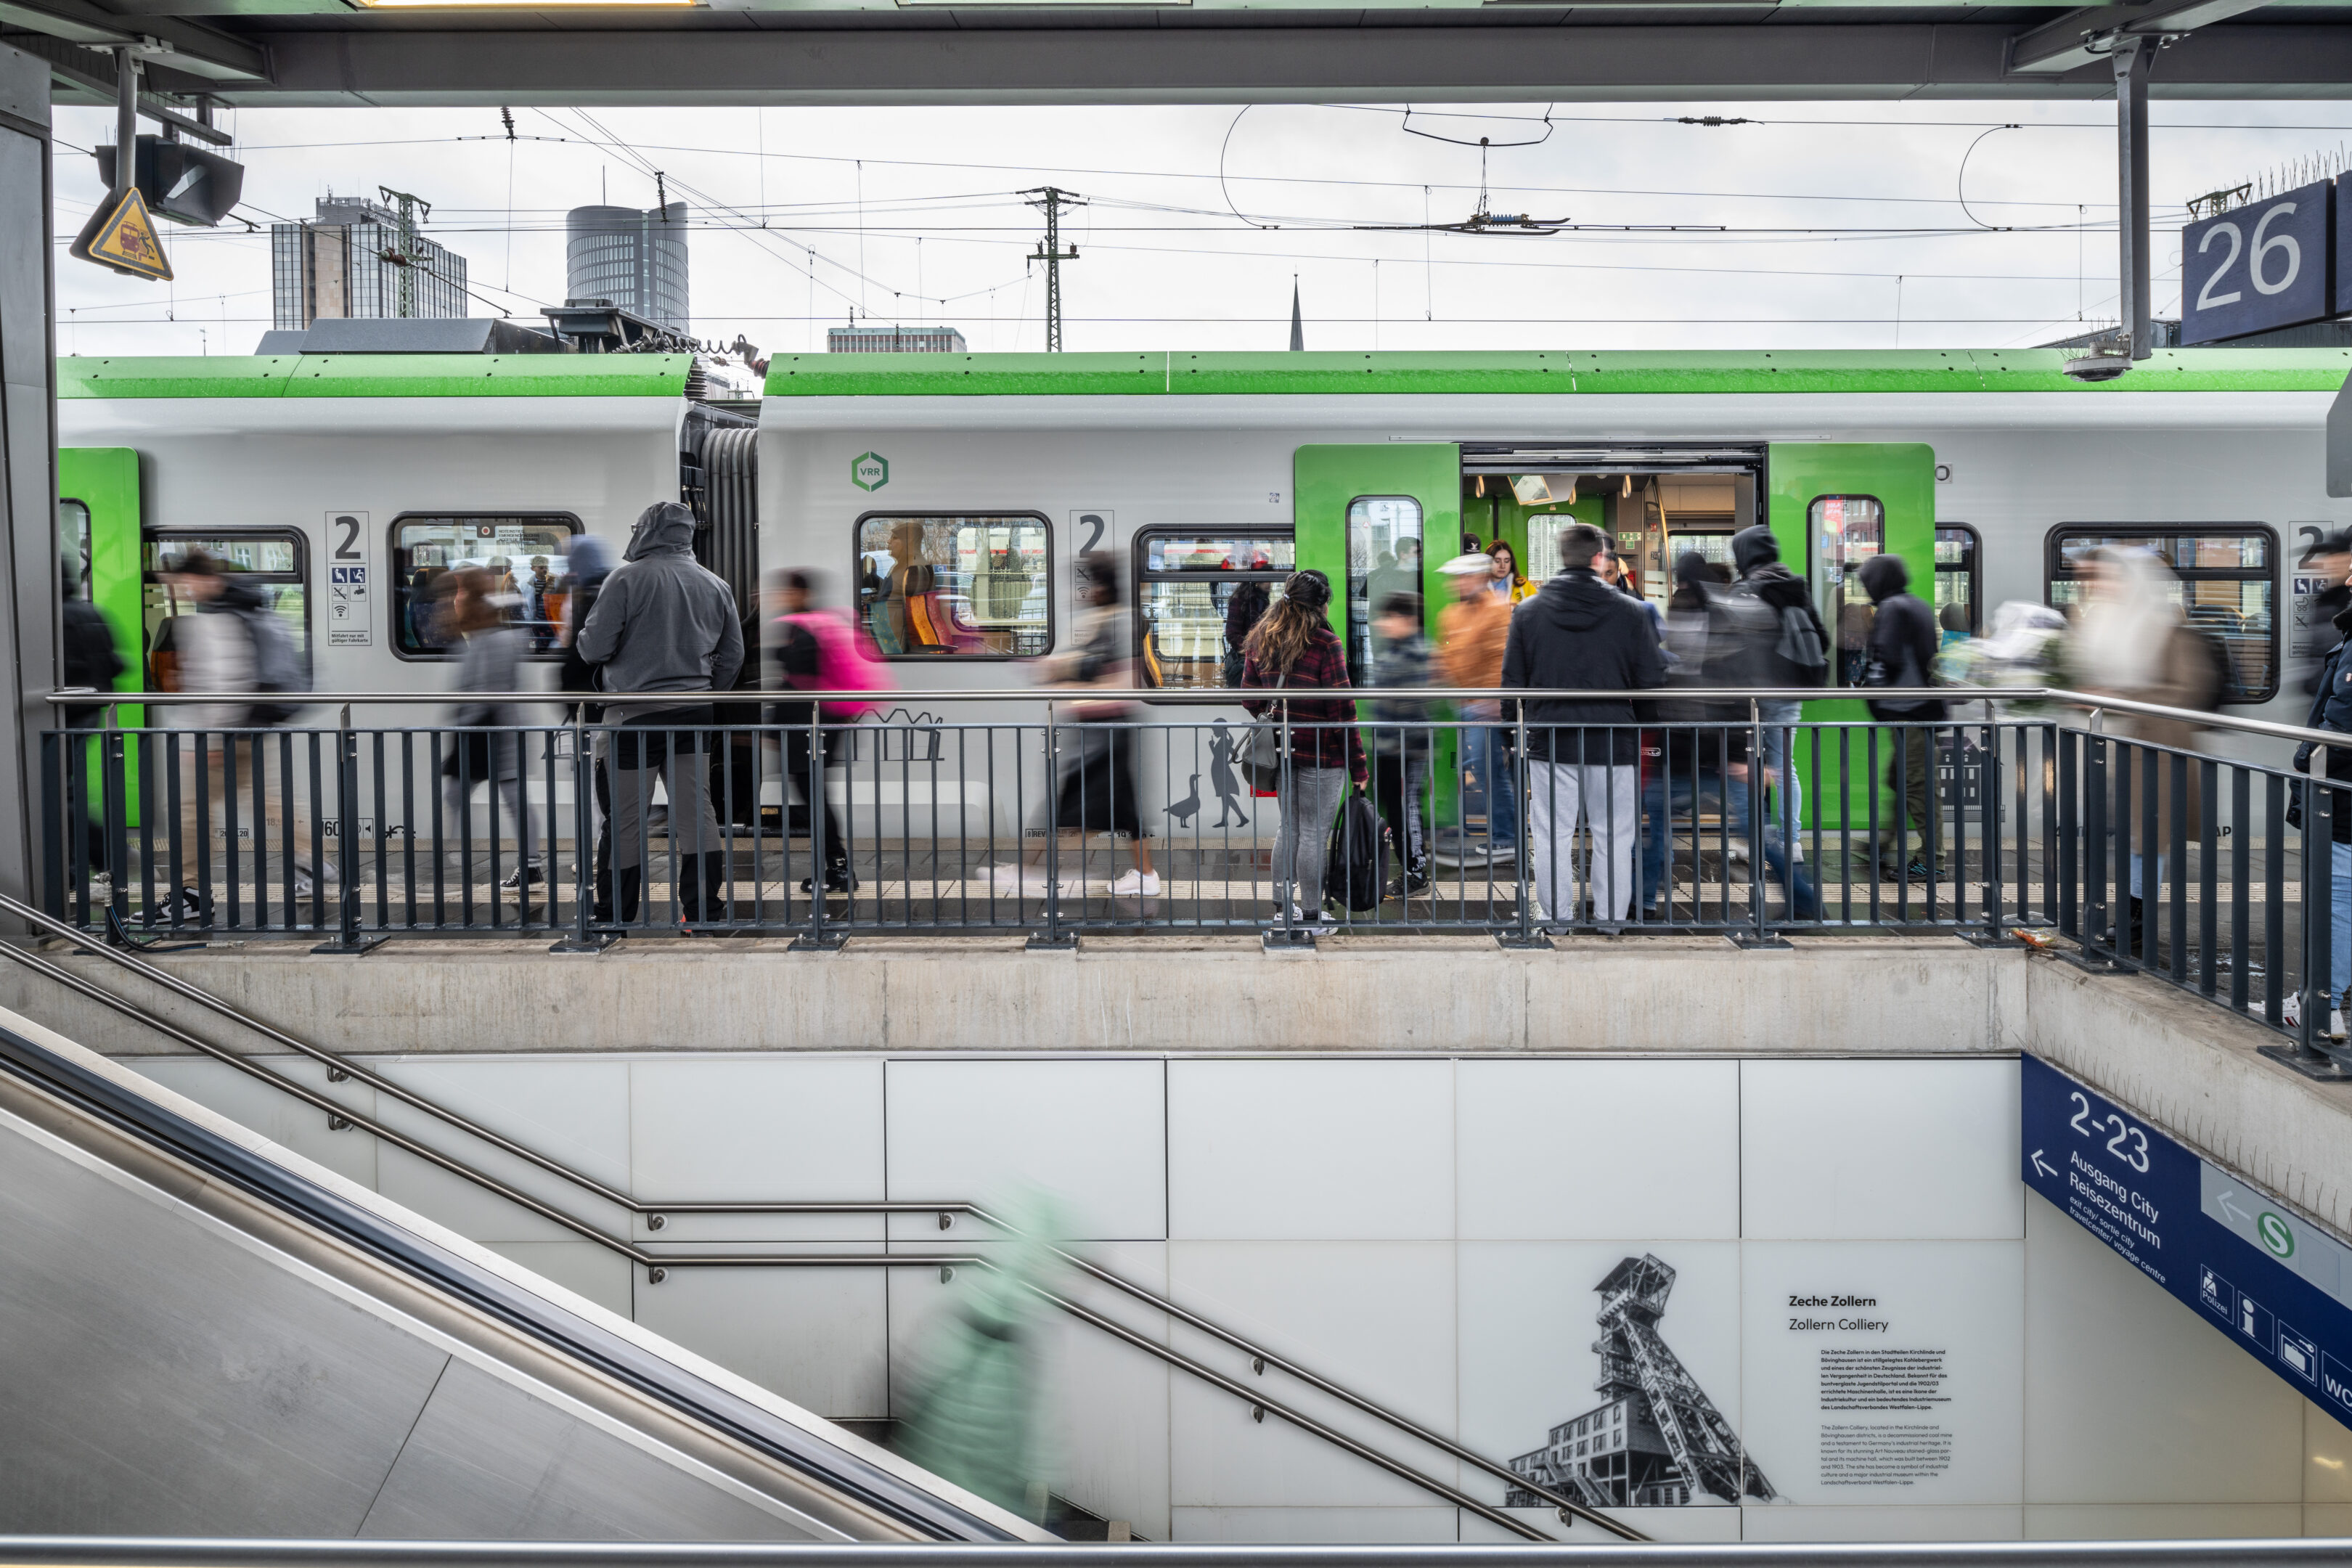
x,y
1559,795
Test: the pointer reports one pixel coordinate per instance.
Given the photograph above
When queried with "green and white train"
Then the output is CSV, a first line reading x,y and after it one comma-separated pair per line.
x,y
945,495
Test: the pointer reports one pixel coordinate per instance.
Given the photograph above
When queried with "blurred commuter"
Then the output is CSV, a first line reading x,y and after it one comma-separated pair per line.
x,y
1094,766
1796,655
1243,610
488,743
235,643
1902,658
813,647
1952,622
1471,633
1292,648
591,563
93,660
1401,658
663,625
1504,579
1580,632
2331,709
2316,615
2133,642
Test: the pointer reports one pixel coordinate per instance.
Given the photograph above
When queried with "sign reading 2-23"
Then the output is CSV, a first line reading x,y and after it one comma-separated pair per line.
x,y
2257,267
2127,1144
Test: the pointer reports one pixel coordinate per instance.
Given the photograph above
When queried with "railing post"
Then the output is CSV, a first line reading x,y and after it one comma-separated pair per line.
x,y
347,835
117,807
1054,936
2095,930
583,937
816,939
2318,839
1763,935
1526,935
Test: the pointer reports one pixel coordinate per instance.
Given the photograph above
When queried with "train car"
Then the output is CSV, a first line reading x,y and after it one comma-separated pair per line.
x,y
344,485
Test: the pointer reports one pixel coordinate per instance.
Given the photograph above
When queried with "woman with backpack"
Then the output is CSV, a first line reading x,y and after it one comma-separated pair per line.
x,y
1292,648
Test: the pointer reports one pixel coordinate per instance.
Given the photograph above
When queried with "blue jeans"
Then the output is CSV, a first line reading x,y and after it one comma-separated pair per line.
x,y
2339,913
1488,757
1681,798
1780,760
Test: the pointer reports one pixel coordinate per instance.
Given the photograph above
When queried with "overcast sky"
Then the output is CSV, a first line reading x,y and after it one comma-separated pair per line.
x,y
1826,226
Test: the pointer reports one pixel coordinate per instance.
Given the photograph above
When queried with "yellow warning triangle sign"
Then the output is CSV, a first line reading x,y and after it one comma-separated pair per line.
x,y
123,237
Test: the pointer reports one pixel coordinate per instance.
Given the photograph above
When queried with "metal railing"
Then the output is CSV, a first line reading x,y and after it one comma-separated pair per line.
x,y
130,1552
658,1262
2020,812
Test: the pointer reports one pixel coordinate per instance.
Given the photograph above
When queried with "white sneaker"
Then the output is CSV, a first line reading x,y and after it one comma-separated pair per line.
x,y
1136,884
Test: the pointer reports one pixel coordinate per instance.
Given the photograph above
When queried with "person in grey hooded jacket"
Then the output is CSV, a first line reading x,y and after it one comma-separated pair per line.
x,y
663,625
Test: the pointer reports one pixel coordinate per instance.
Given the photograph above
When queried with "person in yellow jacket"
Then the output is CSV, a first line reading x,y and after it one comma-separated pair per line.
x,y
1503,578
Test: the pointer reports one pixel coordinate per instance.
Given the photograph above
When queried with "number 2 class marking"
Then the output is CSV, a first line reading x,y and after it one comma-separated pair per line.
x,y
349,548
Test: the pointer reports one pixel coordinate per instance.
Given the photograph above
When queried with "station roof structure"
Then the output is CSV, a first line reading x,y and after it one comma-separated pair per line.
x,y
687,52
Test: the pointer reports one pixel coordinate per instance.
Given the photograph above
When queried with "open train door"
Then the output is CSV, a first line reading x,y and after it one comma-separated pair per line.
x,y
1361,514
1834,504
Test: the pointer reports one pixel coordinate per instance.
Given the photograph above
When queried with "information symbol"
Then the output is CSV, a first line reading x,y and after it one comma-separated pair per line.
x,y
2276,1235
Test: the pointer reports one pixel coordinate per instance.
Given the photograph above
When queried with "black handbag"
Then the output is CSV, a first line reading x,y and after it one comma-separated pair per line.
x,y
1355,873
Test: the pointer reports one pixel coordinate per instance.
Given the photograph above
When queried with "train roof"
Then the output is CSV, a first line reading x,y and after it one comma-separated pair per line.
x,y
375,376
1607,372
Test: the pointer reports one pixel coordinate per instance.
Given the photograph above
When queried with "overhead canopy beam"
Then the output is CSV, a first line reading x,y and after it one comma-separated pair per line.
x,y
190,49
2080,37
746,58
74,72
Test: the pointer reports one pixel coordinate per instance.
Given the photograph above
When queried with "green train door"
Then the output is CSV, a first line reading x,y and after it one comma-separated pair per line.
x,y
98,517
1832,506
1373,519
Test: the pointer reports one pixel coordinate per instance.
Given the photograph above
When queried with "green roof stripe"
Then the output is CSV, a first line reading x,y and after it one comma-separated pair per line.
x,y
1625,372
376,375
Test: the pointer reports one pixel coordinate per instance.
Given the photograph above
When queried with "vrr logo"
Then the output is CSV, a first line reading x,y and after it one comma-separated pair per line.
x,y
869,470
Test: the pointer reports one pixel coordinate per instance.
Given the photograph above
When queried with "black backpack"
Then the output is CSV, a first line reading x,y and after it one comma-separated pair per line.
x,y
1355,873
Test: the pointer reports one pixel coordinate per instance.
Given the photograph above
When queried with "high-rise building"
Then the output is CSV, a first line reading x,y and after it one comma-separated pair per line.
x,y
895,340
347,261
633,260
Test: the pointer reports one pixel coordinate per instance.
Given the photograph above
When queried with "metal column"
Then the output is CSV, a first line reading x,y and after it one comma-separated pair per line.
x,y
28,479
2132,58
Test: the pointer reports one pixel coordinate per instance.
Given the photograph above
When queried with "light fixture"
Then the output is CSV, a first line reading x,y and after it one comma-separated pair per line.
x,y
1481,491
1571,489
1627,493
1530,490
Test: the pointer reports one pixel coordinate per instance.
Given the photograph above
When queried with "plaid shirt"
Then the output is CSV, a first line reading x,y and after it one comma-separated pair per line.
x,y
1321,664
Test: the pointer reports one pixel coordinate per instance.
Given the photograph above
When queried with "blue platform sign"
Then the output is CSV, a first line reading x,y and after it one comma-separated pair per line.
x,y
2265,265
2271,1281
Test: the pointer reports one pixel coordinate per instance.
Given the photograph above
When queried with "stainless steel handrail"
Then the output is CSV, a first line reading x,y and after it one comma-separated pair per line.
x,y
657,1263
132,1551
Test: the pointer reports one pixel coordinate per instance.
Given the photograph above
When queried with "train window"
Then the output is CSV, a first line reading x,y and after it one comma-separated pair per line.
x,y
1846,530
1190,587
73,544
1959,598
2223,576
1383,558
936,585
276,561
528,556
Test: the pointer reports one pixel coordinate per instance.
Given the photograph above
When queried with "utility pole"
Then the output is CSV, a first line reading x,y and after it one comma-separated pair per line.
x,y
412,209
1050,200
2133,57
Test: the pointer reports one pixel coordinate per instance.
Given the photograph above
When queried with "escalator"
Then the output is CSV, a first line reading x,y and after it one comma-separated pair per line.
x,y
202,1334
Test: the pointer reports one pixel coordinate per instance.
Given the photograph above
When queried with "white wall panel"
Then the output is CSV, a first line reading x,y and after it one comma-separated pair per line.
x,y
1352,1150
2163,1522
575,1109
1903,1387
741,1129
1854,1150
1320,1526
1574,1149
2132,1398
1528,1327
1088,1136
1769,1521
273,1113
1378,1317
816,1336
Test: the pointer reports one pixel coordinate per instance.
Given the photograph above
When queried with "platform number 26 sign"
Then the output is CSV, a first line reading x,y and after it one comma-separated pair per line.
x,y
351,581
2257,267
